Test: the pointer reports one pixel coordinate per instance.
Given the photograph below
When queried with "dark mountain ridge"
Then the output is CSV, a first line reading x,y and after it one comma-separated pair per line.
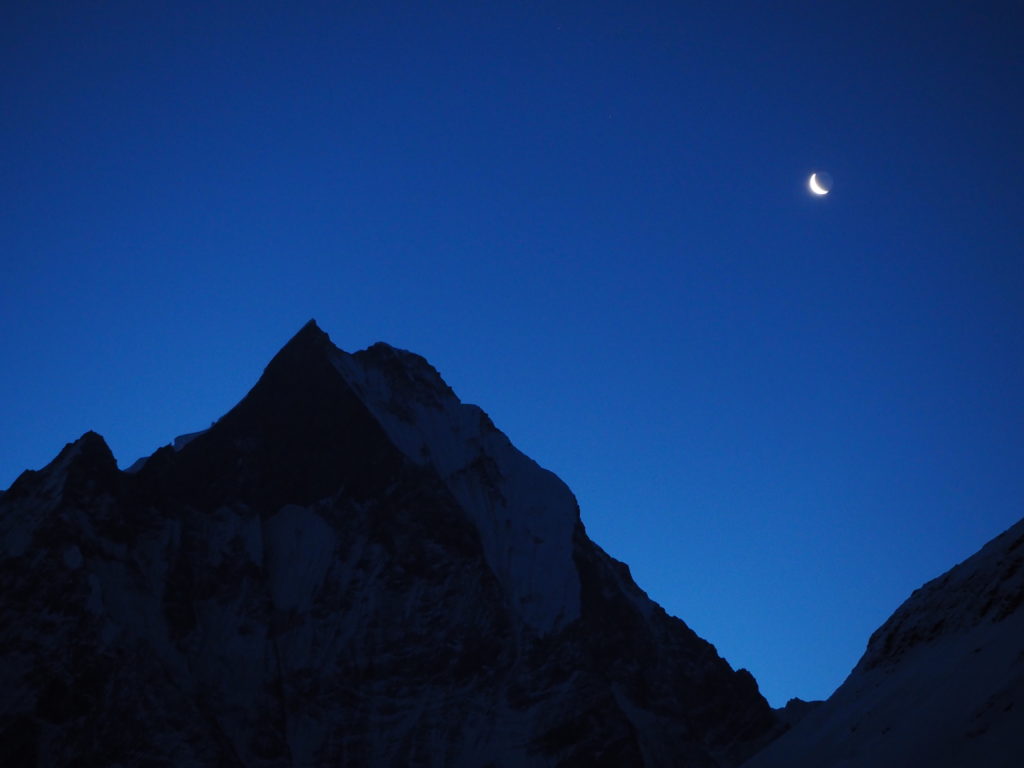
x,y
350,567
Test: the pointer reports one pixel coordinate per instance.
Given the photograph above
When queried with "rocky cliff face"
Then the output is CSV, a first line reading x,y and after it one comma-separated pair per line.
x,y
351,567
941,683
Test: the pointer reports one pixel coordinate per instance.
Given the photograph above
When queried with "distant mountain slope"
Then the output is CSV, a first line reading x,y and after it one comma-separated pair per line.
x,y
940,685
350,568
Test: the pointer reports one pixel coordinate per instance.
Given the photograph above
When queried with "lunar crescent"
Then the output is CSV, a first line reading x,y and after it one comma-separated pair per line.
x,y
816,188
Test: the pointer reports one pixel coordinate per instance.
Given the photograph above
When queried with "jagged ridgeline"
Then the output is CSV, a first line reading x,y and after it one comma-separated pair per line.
x,y
350,568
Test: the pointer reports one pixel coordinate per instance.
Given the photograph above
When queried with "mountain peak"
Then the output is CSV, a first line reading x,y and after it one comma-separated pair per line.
x,y
309,334
89,458
306,357
409,375
93,441
90,449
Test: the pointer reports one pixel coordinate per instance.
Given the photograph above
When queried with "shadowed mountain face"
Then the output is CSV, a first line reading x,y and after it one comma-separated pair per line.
x,y
941,683
351,567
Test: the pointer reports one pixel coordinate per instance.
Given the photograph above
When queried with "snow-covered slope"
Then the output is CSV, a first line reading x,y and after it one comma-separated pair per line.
x,y
524,514
349,568
941,683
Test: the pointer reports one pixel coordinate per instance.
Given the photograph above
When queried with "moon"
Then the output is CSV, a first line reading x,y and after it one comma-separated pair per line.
x,y
819,186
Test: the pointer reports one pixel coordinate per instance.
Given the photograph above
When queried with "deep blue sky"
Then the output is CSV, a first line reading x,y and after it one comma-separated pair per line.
x,y
784,413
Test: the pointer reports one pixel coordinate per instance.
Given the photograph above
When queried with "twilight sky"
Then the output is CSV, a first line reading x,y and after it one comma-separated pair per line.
x,y
784,413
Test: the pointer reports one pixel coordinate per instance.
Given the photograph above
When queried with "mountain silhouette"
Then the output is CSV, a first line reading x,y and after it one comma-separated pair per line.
x,y
351,567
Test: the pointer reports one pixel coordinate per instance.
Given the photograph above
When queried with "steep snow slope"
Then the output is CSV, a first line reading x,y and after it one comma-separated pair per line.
x,y
349,568
941,683
525,515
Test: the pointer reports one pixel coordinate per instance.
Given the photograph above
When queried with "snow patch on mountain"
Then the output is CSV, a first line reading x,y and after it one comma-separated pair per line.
x,y
300,546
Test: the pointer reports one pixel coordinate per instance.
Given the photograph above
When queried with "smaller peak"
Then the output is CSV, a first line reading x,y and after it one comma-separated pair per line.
x,y
381,349
382,353
92,439
92,445
88,455
404,368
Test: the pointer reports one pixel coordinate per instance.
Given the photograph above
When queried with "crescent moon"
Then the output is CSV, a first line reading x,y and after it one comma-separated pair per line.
x,y
815,187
